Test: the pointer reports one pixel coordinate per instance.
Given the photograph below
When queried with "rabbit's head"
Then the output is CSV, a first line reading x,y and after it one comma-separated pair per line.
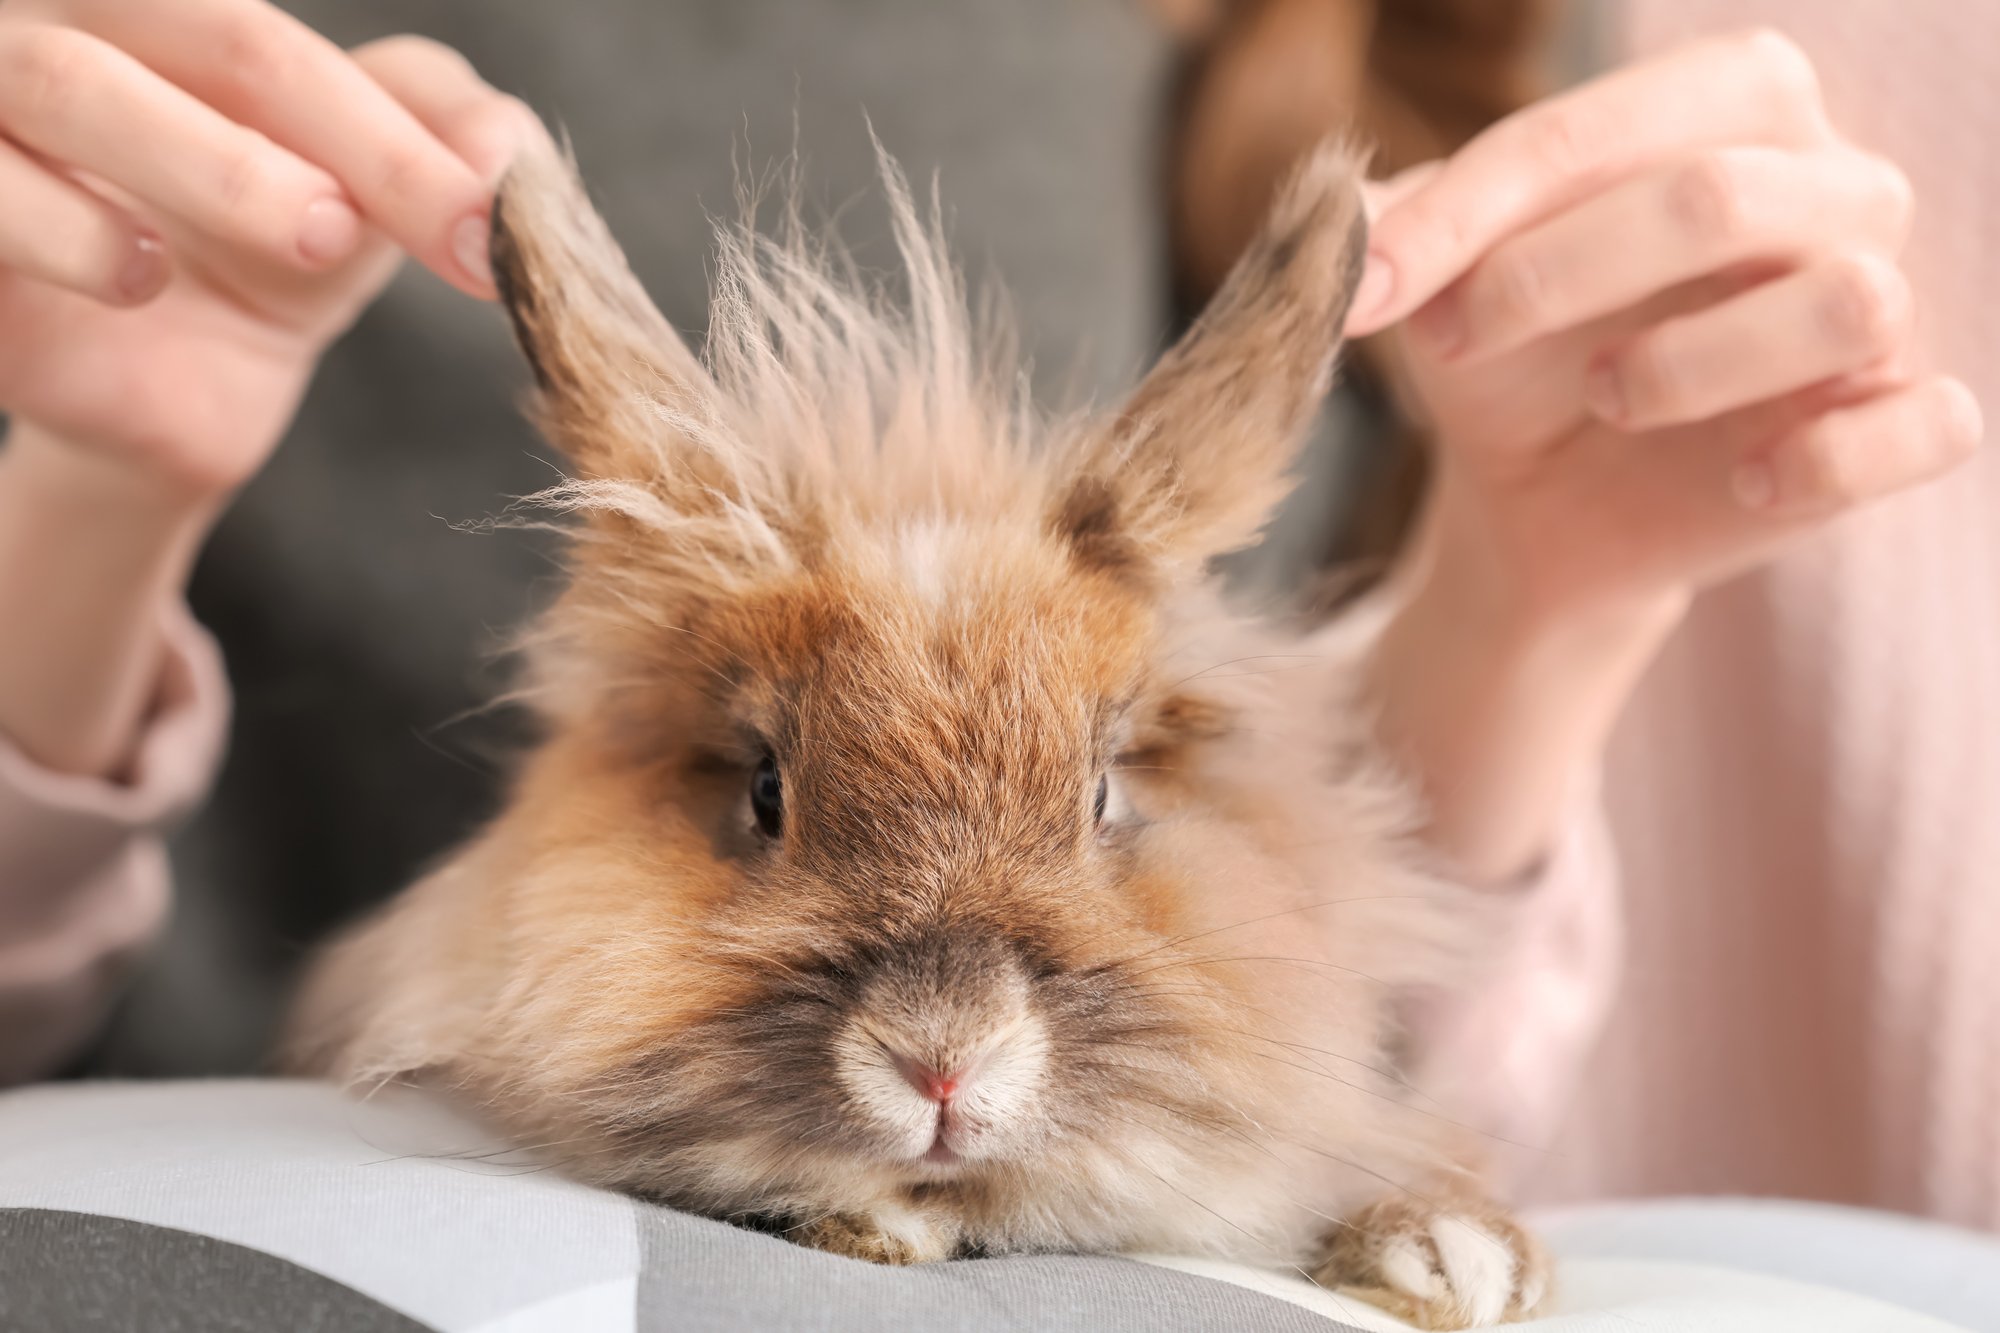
x,y
906,796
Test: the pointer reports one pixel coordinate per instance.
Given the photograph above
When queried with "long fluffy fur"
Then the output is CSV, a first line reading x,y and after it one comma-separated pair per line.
x,y
843,537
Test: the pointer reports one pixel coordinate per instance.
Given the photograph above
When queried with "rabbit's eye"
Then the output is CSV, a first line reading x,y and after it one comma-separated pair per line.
x,y
767,798
1111,807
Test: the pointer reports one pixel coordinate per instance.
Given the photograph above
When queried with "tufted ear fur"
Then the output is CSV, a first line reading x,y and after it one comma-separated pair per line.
x,y
822,399
654,441
818,399
1198,458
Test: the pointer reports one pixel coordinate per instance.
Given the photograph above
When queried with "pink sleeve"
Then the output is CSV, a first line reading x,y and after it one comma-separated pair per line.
x,y
1504,1052
83,866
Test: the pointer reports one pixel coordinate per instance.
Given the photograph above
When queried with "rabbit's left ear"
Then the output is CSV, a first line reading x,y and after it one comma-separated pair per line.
x,y
1199,457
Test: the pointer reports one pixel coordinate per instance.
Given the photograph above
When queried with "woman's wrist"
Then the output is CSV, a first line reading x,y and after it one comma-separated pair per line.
x,y
1495,705
93,550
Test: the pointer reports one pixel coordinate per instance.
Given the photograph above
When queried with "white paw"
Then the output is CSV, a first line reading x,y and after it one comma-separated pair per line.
x,y
1477,1267
1438,1269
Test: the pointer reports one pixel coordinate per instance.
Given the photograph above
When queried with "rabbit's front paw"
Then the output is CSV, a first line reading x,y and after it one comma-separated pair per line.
x,y
881,1236
1459,1264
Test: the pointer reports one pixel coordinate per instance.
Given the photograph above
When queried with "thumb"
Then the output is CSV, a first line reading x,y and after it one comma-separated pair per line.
x,y
1380,198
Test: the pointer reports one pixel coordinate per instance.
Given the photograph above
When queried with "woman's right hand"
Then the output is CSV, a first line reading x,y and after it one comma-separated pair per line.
x,y
196,197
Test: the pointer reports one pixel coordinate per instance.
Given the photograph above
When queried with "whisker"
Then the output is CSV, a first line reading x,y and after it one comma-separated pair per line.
x,y
1270,916
1300,660
1263,958
1219,1217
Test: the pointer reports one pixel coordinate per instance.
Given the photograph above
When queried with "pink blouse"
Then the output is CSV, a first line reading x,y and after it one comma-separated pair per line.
x,y
83,870
1768,960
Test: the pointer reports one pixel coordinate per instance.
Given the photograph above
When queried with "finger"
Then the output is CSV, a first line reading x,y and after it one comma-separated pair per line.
x,y
88,105
1757,88
1856,453
57,232
1377,198
441,89
269,71
1838,317
1668,225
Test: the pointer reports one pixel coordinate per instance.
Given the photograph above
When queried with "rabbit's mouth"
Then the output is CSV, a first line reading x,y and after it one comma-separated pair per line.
x,y
942,1105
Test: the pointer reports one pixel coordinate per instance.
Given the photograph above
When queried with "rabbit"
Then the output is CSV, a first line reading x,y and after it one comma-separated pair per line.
x,y
922,858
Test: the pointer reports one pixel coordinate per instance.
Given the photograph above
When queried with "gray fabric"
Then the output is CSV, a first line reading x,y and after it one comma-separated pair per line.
x,y
395,1196
78,1273
67,1272
706,1277
423,1211
359,624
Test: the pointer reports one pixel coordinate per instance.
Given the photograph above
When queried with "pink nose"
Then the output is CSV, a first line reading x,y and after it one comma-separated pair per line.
x,y
939,1088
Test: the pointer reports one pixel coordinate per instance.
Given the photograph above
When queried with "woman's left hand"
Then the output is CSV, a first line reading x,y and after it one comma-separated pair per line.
x,y
1659,327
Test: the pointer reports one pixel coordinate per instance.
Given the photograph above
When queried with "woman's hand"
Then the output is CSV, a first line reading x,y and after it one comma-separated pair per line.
x,y
1660,327
196,197
1658,330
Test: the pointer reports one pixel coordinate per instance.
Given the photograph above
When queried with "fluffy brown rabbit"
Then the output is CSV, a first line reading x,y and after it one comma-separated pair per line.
x,y
921,859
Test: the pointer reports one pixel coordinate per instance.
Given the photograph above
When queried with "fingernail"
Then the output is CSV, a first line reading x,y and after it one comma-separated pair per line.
x,y
145,271
1372,293
330,231
1604,395
471,241
1441,325
1755,485
502,141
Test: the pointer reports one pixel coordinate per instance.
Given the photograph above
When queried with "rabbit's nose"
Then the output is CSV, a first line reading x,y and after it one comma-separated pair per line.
x,y
937,1087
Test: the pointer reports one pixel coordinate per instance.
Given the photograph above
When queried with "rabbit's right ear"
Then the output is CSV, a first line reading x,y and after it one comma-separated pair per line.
x,y
617,386
1200,455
